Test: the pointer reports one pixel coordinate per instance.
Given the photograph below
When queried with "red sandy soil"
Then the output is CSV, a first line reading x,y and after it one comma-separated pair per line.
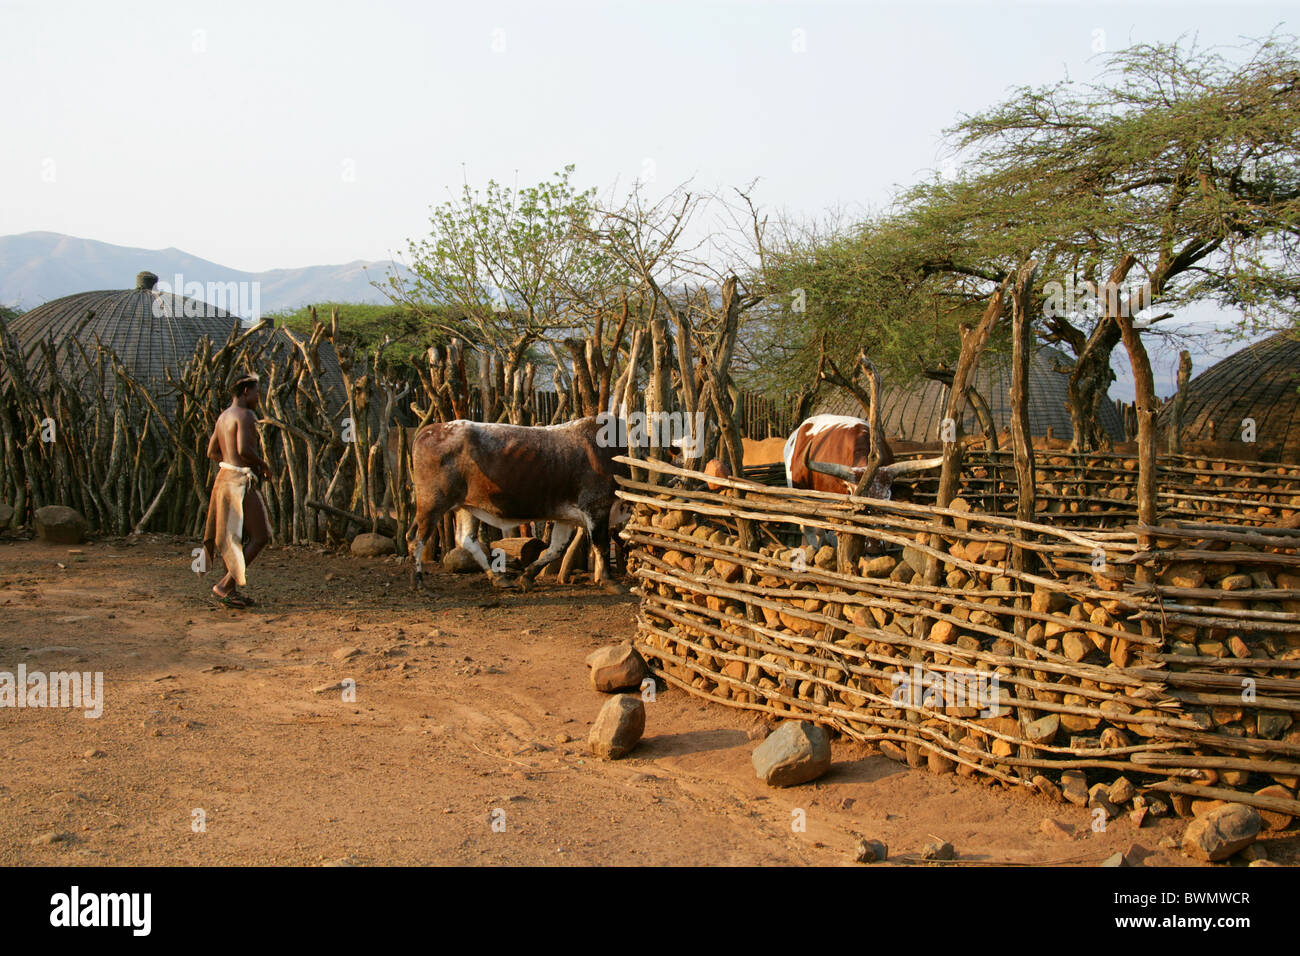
x,y
467,701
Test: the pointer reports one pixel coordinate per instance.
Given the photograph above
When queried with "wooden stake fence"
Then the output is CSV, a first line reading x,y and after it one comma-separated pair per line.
x,y
1076,663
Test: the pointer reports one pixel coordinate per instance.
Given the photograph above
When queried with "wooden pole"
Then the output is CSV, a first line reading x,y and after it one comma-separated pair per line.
x,y
1023,449
1179,406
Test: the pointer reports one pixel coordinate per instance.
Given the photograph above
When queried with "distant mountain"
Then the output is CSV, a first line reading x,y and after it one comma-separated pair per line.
x,y
36,267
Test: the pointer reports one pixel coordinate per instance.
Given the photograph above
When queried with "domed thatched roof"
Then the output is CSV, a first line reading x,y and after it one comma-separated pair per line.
x,y
1259,382
913,412
150,331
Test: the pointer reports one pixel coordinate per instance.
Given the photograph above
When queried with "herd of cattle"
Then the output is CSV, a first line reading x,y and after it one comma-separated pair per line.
x,y
511,475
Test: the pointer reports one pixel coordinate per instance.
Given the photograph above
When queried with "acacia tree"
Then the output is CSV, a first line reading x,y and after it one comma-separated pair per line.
x,y
505,263
841,289
1179,168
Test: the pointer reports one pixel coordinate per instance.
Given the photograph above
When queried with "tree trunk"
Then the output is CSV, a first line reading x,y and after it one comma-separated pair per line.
x,y
1179,405
1092,374
1023,450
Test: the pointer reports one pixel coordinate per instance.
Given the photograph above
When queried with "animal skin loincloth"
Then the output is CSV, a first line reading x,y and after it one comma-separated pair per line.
x,y
223,532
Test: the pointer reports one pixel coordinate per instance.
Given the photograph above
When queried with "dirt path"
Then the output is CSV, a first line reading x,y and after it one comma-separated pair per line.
x,y
467,701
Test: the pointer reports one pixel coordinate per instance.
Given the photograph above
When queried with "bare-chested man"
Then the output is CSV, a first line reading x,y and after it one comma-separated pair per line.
x,y
235,506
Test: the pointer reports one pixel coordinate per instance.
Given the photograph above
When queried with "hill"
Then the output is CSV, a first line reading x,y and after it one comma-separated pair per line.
x,y
36,267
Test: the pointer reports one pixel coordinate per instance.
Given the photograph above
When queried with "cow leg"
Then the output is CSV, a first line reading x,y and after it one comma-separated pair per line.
x,y
620,555
467,538
428,519
598,532
417,552
560,534
426,525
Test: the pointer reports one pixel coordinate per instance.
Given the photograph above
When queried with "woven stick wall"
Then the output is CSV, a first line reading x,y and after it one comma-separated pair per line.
x,y
732,613
127,464
1098,489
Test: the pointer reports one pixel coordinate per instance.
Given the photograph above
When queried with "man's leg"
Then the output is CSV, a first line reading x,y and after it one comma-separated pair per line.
x,y
256,525
258,529
225,587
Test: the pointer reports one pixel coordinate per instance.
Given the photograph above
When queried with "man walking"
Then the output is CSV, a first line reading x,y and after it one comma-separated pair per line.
x,y
235,506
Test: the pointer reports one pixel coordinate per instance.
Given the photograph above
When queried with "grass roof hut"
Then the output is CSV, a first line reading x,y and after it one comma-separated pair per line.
x,y
90,419
1259,386
150,331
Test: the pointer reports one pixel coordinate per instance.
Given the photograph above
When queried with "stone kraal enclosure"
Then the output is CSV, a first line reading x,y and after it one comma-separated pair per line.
x,y
1165,672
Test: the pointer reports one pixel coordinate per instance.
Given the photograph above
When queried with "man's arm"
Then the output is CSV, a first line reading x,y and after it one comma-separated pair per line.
x,y
249,446
214,446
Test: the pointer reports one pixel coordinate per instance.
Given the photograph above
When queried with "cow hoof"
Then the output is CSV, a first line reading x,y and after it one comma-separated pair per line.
x,y
501,583
417,581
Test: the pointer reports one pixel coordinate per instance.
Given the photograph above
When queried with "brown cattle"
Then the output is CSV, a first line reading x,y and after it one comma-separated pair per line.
x,y
831,453
507,475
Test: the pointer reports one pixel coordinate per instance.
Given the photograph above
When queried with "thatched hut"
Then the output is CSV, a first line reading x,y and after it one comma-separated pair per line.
x,y
914,412
149,330
1245,406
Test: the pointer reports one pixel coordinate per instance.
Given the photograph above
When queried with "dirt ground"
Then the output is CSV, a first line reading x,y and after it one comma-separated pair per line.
x,y
469,704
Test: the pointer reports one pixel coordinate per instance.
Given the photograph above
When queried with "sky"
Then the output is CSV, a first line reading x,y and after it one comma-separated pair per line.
x,y
283,134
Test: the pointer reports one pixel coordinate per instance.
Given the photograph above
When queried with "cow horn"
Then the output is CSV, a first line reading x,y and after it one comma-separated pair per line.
x,y
842,472
908,467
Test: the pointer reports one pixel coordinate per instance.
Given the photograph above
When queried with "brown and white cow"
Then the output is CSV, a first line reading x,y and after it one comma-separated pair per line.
x,y
831,453
507,475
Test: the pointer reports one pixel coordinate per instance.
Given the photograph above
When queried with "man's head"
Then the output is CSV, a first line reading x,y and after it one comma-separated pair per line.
x,y
248,390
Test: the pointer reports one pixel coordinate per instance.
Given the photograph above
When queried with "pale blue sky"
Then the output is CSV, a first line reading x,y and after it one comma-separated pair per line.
x,y
276,134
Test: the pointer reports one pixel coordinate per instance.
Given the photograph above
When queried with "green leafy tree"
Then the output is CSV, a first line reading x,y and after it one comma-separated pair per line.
x,y
508,269
403,333
1173,179
1180,168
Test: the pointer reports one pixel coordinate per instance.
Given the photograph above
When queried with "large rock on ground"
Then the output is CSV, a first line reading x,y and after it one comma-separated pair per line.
x,y
6,515
797,752
373,545
616,668
460,561
1074,787
1222,832
871,851
618,727
59,524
